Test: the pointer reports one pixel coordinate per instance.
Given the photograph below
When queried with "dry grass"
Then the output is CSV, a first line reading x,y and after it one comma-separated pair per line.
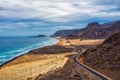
x,y
70,71
81,42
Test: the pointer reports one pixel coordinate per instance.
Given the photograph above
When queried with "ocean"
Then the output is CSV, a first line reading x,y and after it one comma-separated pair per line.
x,y
11,47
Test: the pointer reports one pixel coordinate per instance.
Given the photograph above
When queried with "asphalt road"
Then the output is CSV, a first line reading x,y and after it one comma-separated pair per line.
x,y
101,76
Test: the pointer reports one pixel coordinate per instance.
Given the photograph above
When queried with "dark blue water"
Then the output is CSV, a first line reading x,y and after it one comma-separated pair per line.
x,y
11,47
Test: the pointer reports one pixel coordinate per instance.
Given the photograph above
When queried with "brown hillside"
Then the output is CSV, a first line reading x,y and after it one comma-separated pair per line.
x,y
97,31
106,57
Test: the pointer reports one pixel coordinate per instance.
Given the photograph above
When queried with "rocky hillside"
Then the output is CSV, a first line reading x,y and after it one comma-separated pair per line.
x,y
92,31
106,57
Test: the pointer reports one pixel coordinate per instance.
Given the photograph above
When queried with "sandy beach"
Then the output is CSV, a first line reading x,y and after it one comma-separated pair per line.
x,y
40,61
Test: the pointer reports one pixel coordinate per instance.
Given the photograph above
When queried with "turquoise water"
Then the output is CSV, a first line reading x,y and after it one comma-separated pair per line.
x,y
11,47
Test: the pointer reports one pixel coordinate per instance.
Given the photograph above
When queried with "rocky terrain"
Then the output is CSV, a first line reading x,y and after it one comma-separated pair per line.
x,y
106,57
92,31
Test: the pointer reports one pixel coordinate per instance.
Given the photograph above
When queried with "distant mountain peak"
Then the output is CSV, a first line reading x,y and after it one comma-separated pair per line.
x,y
93,30
40,35
93,24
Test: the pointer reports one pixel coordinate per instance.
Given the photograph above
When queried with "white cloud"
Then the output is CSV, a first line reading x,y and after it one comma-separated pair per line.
x,y
51,15
53,10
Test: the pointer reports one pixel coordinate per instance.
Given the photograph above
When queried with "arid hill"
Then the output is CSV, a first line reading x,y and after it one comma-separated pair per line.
x,y
106,57
92,31
64,33
97,31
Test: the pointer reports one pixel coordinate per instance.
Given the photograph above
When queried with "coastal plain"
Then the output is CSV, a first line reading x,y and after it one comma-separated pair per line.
x,y
41,61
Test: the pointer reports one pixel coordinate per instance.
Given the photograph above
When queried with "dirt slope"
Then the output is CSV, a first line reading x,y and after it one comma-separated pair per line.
x,y
106,57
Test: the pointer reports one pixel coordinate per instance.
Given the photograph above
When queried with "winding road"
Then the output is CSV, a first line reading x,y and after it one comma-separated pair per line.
x,y
99,75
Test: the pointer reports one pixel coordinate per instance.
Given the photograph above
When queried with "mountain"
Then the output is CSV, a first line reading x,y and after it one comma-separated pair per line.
x,y
106,57
64,33
97,31
92,31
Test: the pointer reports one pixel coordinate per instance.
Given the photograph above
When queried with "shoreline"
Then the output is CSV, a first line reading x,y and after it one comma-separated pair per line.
x,y
36,62
39,61
27,52
60,42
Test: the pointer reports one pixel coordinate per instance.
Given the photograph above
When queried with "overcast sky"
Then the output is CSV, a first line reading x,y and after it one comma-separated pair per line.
x,y
32,17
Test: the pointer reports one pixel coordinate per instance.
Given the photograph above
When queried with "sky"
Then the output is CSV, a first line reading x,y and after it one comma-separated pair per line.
x,y
33,17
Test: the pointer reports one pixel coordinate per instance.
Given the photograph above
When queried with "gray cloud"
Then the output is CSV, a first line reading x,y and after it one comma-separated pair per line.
x,y
55,10
42,14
